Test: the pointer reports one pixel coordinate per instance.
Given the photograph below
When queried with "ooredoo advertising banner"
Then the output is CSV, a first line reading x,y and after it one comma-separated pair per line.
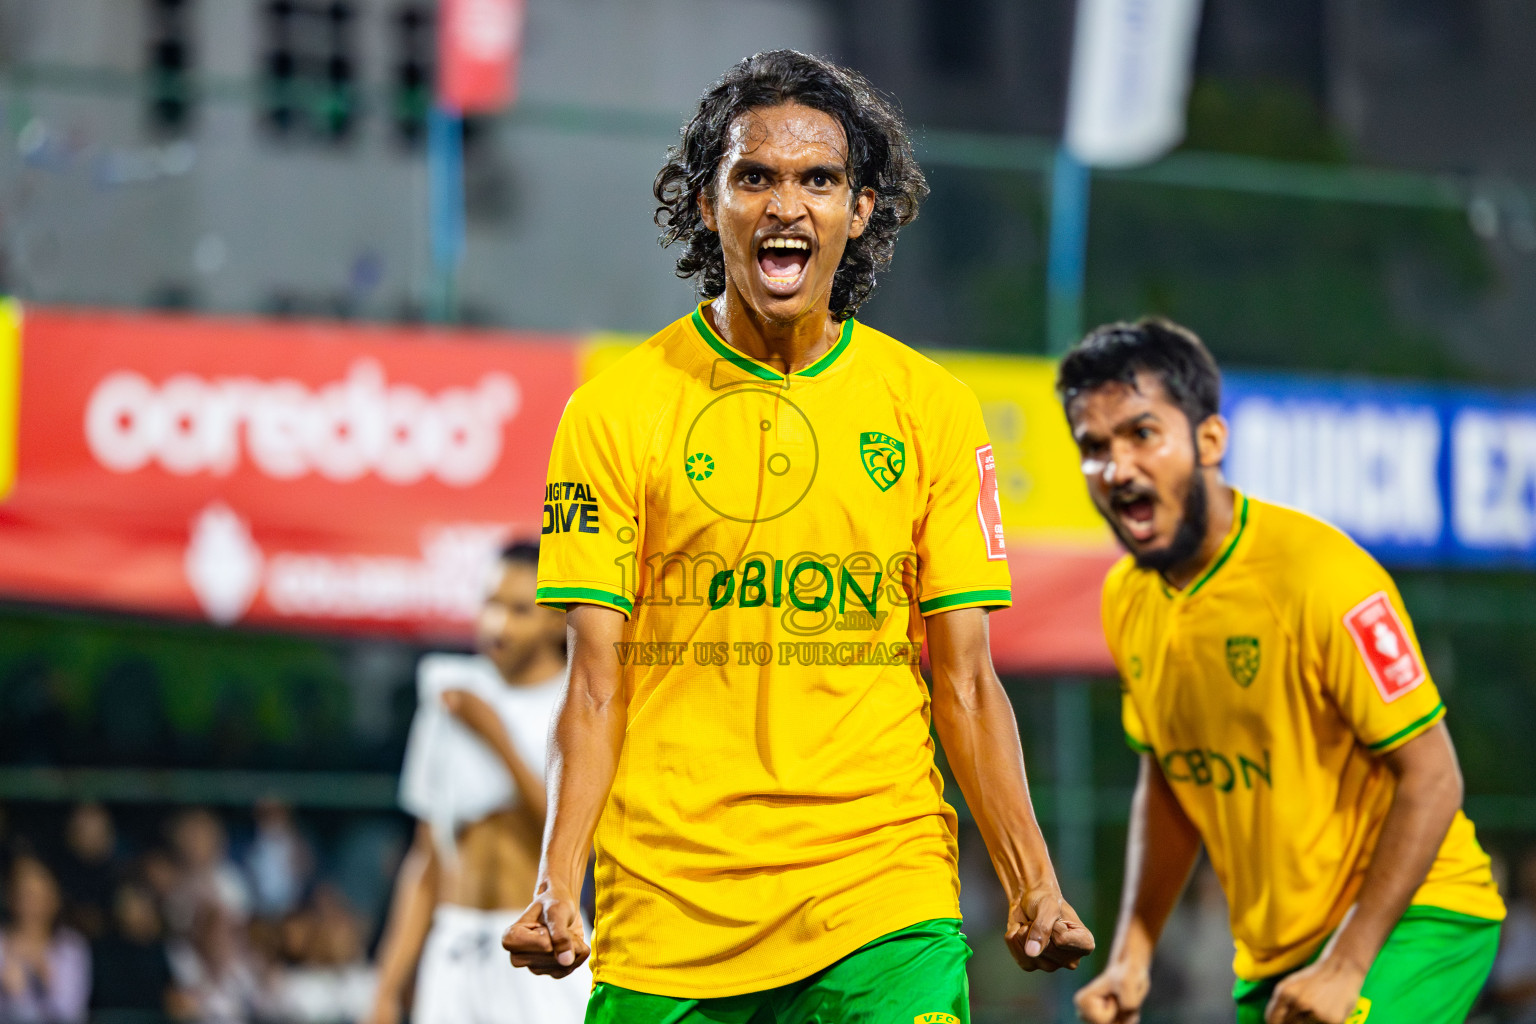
x,y
251,472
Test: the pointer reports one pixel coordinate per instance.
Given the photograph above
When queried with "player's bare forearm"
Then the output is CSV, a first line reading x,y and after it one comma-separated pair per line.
x,y
584,746
474,712
1428,795
1160,849
410,918
583,756
976,725
1424,802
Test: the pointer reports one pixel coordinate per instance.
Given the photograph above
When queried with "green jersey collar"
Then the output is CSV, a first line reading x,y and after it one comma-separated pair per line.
x,y
1238,529
761,370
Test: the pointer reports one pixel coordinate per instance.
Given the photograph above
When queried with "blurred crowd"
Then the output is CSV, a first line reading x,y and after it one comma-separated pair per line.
x,y
1512,987
178,929
185,927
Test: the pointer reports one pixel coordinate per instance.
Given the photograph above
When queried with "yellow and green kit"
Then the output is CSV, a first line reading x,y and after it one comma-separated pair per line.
x,y
1266,690
775,541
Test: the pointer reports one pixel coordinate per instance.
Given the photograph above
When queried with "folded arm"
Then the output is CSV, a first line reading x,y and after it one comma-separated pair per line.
x,y
479,716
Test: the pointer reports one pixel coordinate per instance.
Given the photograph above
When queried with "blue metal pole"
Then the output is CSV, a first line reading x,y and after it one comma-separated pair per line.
x,y
1068,252
445,209
1075,811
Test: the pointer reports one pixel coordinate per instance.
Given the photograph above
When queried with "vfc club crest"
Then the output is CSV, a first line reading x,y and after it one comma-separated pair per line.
x,y
884,458
1243,658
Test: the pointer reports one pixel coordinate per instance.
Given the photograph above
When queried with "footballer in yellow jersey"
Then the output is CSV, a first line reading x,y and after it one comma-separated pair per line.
x,y
1277,695
757,520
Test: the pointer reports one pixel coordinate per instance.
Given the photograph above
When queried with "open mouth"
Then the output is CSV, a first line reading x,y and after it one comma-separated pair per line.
x,y
1135,513
782,262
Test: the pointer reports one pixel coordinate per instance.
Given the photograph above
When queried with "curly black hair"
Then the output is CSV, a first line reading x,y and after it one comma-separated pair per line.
x,y
879,157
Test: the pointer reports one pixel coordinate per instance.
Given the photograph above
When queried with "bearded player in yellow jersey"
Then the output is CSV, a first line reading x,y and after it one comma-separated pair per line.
x,y
1278,698
756,520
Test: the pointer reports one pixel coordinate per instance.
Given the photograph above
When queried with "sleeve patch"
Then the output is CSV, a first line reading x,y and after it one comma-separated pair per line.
x,y
988,513
1382,640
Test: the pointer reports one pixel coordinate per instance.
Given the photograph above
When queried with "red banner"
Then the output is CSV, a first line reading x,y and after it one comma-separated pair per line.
x,y
311,475
479,42
338,477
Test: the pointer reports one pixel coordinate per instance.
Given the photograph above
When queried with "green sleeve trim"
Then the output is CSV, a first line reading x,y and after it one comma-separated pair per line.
x,y
831,357
1434,715
560,597
984,597
1138,746
730,355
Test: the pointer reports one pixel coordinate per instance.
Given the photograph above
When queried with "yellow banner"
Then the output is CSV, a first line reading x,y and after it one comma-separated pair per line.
x,y
1043,498
1039,483
10,391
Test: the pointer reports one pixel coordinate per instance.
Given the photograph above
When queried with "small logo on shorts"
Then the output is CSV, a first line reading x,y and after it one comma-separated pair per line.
x,y
1361,1011
1243,658
935,1018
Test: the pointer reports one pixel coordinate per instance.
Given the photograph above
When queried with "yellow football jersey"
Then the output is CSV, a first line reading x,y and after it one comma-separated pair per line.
x,y
775,543
1266,690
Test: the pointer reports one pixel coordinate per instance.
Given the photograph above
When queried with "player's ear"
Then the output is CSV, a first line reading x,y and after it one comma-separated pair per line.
x,y
1211,440
863,209
707,210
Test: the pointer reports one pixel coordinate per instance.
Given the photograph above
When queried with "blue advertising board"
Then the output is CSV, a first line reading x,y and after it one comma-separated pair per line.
x,y
1418,474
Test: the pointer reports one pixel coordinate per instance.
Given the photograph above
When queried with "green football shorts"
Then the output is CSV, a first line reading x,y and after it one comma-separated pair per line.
x,y
1430,971
916,974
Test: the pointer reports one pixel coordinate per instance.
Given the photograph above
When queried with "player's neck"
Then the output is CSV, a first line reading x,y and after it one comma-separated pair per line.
x,y
1219,500
787,347
539,667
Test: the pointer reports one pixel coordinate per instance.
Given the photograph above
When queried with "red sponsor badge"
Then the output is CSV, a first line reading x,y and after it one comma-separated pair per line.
x,y
987,512
1383,642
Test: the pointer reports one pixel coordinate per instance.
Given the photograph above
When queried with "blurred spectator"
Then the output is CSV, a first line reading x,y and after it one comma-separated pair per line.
x,y
216,980
132,970
207,873
45,969
279,861
88,869
327,981
1514,973
161,876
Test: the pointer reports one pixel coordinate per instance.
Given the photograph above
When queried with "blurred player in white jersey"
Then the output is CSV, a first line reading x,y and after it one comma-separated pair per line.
x,y
474,779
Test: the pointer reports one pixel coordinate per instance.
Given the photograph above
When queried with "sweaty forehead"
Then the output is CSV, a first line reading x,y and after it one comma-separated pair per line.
x,y
1114,401
788,130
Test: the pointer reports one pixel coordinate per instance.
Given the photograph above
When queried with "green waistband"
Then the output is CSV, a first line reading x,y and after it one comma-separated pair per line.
x,y
1260,988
